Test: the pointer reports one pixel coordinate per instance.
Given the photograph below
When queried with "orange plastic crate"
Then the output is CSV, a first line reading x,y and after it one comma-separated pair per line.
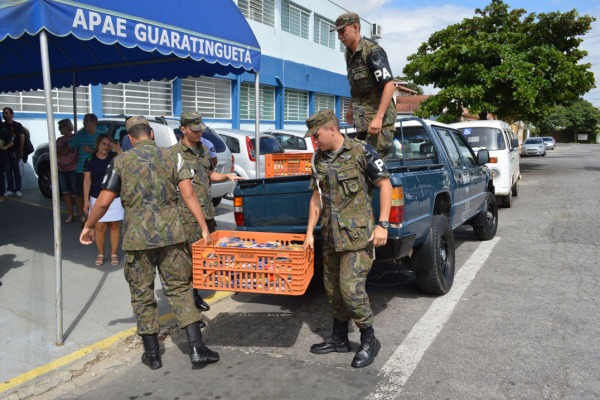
x,y
263,270
287,164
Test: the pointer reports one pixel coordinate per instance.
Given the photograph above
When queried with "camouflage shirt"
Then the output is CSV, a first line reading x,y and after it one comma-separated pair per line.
x,y
345,179
368,72
148,177
198,161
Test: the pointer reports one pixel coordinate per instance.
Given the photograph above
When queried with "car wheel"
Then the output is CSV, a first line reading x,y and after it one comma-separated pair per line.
x,y
515,189
45,180
486,223
216,201
437,255
506,201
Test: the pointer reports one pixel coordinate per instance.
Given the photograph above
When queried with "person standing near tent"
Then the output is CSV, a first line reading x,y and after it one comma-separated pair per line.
x,y
5,145
371,108
14,154
67,162
148,178
85,143
345,172
199,160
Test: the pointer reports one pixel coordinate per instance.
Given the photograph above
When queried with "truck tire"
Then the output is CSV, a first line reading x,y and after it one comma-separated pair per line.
x,y
486,223
506,200
515,189
44,180
437,255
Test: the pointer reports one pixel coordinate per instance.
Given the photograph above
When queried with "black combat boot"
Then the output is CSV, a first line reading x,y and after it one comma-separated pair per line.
x,y
199,353
337,341
369,347
151,356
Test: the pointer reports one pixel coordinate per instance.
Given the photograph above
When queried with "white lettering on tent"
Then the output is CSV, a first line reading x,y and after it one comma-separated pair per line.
x,y
185,43
95,20
140,32
247,59
79,19
121,27
175,40
108,26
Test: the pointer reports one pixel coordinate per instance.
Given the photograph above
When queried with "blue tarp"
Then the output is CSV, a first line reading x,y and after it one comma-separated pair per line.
x,y
110,41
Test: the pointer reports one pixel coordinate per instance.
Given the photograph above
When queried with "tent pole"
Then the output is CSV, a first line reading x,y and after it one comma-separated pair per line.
x,y
257,122
54,180
74,102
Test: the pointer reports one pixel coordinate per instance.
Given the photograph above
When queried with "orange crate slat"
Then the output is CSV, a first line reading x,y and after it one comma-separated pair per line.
x,y
262,270
287,164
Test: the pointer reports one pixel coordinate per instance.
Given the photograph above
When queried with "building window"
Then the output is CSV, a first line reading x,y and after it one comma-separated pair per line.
x,y
262,11
34,100
248,100
140,98
323,101
209,96
294,19
322,34
296,105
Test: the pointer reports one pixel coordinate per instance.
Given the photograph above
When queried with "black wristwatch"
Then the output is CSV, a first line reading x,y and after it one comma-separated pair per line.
x,y
384,224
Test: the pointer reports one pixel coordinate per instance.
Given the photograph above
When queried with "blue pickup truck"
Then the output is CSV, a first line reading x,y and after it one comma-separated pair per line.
x,y
438,184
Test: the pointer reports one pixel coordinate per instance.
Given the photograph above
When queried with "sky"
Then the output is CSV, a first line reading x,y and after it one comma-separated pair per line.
x,y
407,24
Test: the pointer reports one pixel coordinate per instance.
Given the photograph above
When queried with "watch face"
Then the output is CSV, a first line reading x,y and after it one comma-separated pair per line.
x,y
384,224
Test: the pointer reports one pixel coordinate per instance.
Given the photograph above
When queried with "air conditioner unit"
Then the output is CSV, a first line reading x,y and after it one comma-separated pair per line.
x,y
376,31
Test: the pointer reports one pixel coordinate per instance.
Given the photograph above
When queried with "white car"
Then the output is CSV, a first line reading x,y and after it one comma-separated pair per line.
x,y
293,141
498,138
242,145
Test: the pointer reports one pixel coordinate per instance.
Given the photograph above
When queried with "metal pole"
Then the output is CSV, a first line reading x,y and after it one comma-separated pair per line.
x,y
54,180
74,102
257,122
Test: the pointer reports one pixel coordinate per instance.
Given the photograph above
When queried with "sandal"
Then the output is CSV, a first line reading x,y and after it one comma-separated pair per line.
x,y
114,259
99,260
69,219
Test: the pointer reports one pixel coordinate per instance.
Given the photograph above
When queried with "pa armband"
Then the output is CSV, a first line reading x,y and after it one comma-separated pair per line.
x,y
111,180
376,168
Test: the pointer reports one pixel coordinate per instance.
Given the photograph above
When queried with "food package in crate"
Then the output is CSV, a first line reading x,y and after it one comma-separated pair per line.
x,y
257,262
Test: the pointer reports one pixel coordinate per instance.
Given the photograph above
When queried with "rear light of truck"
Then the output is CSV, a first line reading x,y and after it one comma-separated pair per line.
x,y
238,211
397,211
250,148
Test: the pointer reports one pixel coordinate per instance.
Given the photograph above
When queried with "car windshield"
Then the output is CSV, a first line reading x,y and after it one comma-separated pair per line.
x,y
268,145
533,141
548,140
487,138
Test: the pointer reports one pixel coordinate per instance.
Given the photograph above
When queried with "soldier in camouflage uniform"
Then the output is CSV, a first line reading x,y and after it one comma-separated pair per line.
x,y
344,174
371,108
147,178
197,158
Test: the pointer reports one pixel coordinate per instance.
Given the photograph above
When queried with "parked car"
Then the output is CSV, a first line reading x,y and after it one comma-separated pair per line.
x,y
549,142
293,141
498,138
533,146
164,136
242,144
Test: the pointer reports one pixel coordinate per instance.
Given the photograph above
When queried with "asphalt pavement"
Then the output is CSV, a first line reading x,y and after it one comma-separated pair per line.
x,y
96,310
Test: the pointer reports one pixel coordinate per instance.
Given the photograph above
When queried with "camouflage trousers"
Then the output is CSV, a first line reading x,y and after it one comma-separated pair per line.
x,y
382,142
175,270
345,277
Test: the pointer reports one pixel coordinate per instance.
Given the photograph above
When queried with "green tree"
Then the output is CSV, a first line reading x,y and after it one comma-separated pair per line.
x,y
516,65
579,117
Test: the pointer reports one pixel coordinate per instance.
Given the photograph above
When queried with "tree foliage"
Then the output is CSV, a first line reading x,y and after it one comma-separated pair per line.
x,y
515,65
579,117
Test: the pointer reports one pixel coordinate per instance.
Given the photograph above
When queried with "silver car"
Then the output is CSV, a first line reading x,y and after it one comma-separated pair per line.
x,y
549,142
293,141
533,146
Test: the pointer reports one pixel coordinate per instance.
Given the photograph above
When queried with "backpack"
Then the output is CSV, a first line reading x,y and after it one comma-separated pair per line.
x,y
27,146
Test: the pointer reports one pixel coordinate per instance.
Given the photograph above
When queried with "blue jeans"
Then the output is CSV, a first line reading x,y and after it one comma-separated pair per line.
x,y
13,176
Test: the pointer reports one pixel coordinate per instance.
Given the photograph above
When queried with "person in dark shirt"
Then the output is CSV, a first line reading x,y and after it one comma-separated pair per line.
x,y
6,144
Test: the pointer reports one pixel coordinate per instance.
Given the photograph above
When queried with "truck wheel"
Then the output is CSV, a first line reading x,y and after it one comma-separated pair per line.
x,y
486,223
216,201
437,255
515,189
45,181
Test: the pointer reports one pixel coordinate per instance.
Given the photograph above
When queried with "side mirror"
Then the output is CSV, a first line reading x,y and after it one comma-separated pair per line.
x,y
514,142
483,156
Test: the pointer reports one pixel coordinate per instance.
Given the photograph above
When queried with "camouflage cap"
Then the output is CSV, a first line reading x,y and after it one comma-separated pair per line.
x,y
192,119
136,120
318,120
346,18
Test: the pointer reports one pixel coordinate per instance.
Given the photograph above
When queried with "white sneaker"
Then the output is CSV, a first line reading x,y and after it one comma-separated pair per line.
x,y
18,193
8,193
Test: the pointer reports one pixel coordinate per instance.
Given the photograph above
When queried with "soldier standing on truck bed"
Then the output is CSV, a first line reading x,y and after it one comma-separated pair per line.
x,y
371,108
344,174
147,178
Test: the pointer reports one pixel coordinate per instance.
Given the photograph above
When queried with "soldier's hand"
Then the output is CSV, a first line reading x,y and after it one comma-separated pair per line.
x,y
310,241
88,235
375,125
207,238
379,236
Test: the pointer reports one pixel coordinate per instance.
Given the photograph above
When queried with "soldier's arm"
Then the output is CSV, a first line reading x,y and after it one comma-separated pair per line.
x,y
314,211
379,235
192,203
379,65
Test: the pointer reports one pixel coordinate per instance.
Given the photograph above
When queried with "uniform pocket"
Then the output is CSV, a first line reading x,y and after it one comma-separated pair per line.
x,y
349,180
353,229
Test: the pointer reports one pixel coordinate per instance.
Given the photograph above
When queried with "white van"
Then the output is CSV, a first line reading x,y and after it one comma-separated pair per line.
x,y
498,138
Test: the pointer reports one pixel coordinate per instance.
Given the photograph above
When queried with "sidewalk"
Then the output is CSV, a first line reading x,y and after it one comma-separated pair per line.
x,y
96,302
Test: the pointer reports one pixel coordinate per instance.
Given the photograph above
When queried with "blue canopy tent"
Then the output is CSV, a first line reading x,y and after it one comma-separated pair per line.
x,y
59,43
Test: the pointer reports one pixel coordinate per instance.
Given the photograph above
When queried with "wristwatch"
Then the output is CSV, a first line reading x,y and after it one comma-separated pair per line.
x,y
384,224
